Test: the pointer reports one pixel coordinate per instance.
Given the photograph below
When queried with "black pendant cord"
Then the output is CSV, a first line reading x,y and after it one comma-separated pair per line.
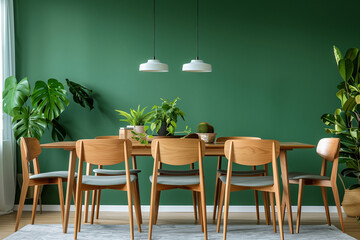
x,y
154,29
197,29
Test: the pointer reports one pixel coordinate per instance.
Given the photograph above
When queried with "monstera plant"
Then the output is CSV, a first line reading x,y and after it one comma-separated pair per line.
x,y
346,119
47,102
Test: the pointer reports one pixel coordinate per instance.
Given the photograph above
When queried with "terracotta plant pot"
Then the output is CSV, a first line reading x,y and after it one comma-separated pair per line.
x,y
351,202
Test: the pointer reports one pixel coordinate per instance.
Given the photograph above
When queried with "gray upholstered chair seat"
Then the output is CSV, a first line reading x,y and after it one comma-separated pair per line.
x,y
106,180
243,173
55,174
178,180
250,181
301,175
179,172
116,172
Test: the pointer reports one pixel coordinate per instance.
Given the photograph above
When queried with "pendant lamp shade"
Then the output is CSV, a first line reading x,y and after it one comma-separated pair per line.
x,y
153,65
197,65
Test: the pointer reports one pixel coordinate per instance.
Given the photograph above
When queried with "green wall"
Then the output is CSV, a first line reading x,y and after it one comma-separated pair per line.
x,y
273,75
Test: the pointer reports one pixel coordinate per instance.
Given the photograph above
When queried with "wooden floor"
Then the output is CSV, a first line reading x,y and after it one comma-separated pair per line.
x,y
7,222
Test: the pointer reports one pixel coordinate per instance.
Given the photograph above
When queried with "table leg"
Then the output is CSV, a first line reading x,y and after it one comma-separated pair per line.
x,y
286,192
69,188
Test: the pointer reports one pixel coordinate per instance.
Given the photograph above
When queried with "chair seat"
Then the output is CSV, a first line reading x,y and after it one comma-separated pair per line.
x,y
178,180
106,180
301,175
250,181
179,172
116,172
54,174
243,173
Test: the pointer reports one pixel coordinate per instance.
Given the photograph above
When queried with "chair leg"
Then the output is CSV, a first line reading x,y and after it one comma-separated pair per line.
x,y
203,206
300,195
98,203
200,211
278,206
220,207
61,198
157,204
152,209
24,189
138,195
326,204
283,205
216,195
77,212
194,204
94,193
226,209
129,191
266,207
273,210
137,206
80,210
86,204
257,207
35,201
338,205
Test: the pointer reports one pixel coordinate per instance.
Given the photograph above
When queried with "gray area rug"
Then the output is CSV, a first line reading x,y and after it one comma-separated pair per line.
x,y
170,232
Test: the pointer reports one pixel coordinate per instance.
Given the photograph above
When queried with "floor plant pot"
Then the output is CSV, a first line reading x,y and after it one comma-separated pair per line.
x,y
351,202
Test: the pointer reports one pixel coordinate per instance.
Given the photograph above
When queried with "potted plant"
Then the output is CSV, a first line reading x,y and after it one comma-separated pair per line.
x,y
165,117
206,132
136,118
346,123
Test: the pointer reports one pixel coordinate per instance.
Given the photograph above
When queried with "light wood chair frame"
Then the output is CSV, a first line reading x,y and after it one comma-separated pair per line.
x,y
218,183
266,151
328,149
112,151
96,195
179,156
30,151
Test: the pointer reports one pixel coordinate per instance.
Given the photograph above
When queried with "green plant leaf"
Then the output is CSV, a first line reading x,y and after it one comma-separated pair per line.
x,y
28,123
328,119
58,132
346,68
341,94
349,105
81,94
351,53
50,98
15,94
337,54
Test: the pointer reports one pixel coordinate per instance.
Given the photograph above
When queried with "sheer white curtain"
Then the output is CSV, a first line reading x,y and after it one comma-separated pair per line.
x,y
7,142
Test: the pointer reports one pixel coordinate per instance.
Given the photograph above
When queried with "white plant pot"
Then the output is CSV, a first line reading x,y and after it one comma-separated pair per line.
x,y
139,129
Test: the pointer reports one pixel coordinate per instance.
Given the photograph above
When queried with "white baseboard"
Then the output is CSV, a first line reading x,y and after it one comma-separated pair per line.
x,y
180,208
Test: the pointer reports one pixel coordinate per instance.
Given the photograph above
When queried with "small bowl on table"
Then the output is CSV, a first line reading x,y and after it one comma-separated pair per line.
x,y
207,137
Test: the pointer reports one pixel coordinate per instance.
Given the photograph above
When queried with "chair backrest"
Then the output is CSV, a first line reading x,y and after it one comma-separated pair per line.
x,y
251,152
103,151
107,137
224,139
328,148
177,151
30,150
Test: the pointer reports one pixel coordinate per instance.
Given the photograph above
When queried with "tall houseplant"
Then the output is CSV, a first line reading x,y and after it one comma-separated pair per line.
x,y
165,117
346,120
47,102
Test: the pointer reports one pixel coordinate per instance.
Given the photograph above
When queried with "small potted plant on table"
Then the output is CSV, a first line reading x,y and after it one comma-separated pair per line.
x,y
206,132
136,118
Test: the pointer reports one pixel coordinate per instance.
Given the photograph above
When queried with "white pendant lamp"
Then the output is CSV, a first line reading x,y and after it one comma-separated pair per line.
x,y
197,65
153,65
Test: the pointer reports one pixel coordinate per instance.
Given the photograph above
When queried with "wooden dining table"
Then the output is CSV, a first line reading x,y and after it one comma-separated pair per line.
x,y
211,149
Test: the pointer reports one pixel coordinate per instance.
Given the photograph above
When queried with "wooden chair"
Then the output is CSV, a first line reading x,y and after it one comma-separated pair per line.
x,y
178,152
105,152
30,151
108,172
253,172
251,153
328,149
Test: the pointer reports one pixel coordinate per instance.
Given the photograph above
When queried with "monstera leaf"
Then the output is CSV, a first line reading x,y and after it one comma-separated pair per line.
x,y
28,123
15,94
81,95
49,98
